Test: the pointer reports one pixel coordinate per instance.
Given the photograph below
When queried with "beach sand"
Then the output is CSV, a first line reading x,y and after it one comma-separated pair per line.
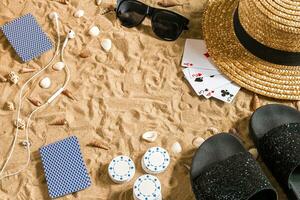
x,y
136,87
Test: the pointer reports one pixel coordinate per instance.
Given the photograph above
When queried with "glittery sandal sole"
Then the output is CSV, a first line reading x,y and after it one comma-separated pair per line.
x,y
222,169
275,130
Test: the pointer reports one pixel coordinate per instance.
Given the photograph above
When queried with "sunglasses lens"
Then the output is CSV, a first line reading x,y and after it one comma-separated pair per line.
x,y
167,25
131,13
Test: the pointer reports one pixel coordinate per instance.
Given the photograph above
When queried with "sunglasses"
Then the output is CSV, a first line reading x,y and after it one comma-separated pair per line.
x,y
166,24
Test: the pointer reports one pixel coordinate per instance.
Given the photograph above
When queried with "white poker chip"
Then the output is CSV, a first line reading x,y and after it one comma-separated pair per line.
x,y
155,160
121,169
147,187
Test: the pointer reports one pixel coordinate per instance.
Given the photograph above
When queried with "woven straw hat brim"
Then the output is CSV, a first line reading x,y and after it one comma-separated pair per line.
x,y
236,62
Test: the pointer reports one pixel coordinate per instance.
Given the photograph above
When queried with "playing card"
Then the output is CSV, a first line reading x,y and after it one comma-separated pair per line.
x,y
226,92
205,86
195,55
195,72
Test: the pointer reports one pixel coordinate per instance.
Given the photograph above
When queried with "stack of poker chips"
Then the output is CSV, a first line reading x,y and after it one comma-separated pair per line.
x,y
147,187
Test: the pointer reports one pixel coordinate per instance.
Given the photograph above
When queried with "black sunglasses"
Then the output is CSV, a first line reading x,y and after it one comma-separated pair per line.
x,y
166,24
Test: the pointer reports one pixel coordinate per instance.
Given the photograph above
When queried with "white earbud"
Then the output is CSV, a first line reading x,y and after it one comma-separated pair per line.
x,y
71,34
54,17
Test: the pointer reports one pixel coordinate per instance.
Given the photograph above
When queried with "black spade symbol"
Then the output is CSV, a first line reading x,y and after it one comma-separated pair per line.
x,y
199,79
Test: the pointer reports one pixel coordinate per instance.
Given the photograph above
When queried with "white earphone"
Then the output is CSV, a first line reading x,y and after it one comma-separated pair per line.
x,y
54,17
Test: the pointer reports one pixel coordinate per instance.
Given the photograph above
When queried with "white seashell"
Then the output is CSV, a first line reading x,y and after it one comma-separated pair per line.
x,y
26,143
13,77
176,148
94,31
150,136
106,44
79,13
98,2
254,153
198,141
59,66
45,83
213,130
20,124
9,106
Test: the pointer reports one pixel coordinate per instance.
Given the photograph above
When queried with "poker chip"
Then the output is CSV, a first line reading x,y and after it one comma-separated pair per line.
x,y
155,160
121,169
147,187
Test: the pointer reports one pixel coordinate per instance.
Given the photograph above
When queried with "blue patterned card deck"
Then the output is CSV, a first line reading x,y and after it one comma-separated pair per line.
x,y
64,167
26,37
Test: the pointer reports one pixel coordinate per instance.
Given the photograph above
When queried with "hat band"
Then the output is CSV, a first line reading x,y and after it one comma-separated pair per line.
x,y
260,50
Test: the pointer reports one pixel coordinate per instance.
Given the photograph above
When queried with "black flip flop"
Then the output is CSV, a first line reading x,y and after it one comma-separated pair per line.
x,y
275,130
222,169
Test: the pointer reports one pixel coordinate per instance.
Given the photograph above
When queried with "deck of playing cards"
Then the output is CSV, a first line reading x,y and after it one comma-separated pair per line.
x,y
202,74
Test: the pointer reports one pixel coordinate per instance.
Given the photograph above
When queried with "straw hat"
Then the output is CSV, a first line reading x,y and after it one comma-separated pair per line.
x,y
256,43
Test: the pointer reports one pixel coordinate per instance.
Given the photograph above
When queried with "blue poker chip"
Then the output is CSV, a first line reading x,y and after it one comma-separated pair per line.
x,y
147,187
155,160
121,169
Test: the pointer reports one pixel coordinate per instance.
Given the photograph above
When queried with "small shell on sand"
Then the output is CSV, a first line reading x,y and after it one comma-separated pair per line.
x,y
85,53
213,130
98,2
79,13
233,131
3,79
106,44
63,1
98,145
26,70
20,124
69,94
58,66
255,102
34,101
60,122
9,106
197,141
94,31
45,83
254,153
150,136
13,77
176,148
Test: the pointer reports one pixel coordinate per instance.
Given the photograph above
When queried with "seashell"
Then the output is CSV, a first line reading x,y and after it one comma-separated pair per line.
x,y
233,131
45,83
197,141
94,31
106,44
98,2
213,130
13,77
255,102
150,136
85,53
25,143
254,153
3,79
166,4
26,70
60,122
63,1
9,106
20,124
98,145
79,13
34,101
176,148
58,66
67,93
104,11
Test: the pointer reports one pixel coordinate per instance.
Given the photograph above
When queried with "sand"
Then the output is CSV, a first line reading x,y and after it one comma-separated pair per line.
x,y
138,86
